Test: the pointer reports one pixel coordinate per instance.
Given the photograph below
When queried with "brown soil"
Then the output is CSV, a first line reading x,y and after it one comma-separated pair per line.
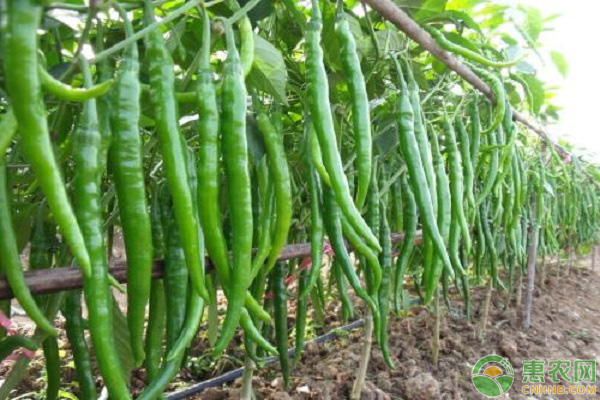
x,y
565,326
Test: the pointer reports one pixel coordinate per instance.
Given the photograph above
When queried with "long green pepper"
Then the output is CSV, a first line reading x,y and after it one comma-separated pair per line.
x,y
235,156
24,87
361,119
280,175
162,96
126,161
86,149
410,151
318,93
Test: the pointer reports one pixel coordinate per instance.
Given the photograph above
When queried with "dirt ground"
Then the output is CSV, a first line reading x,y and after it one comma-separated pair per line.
x,y
565,326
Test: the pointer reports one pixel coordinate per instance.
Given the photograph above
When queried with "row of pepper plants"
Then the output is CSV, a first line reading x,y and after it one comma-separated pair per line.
x,y
229,130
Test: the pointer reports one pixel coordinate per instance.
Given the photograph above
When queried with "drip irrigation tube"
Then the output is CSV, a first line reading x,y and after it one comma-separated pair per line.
x,y
236,373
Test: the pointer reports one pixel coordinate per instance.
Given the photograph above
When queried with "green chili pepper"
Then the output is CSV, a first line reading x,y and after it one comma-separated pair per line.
x,y
208,169
279,172
315,152
69,93
301,313
384,288
76,335
188,331
266,203
11,264
155,330
475,133
318,93
162,96
420,133
498,88
254,334
467,53
490,245
24,89
11,343
280,312
410,151
360,105
176,275
409,219
444,215
86,148
336,239
8,128
52,358
464,147
492,170
235,156
246,45
126,160
456,190
41,256
316,229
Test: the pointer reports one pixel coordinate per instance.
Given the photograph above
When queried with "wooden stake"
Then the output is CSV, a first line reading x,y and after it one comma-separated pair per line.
x,y
359,381
531,261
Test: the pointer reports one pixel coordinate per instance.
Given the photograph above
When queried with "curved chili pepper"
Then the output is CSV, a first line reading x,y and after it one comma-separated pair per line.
x,y
11,343
11,264
69,93
334,232
467,53
24,88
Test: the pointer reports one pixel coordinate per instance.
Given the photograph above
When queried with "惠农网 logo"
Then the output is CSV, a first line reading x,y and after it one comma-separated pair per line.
x,y
492,375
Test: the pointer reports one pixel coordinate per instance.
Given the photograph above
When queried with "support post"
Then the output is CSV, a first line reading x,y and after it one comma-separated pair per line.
x,y
531,261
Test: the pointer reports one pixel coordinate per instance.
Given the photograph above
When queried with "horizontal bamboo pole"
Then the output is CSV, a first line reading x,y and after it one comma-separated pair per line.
x,y
51,280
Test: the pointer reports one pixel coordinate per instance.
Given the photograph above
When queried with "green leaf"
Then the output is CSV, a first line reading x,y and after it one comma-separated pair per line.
x,y
122,341
533,23
430,8
389,41
462,5
66,395
561,62
462,16
536,87
525,68
268,72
